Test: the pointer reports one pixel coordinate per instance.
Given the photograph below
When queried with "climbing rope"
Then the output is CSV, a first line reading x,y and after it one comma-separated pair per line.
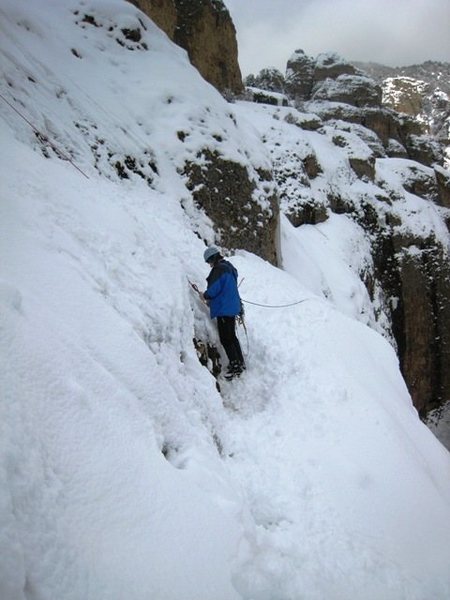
x,y
240,319
195,287
276,305
271,305
41,136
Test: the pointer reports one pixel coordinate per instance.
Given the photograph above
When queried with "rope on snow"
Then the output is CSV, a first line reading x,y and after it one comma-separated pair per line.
x,y
43,137
276,305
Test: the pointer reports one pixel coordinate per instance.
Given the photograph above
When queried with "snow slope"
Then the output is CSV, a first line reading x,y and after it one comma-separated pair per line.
x,y
124,473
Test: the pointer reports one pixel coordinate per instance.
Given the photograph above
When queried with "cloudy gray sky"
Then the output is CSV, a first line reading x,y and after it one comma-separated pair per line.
x,y
392,32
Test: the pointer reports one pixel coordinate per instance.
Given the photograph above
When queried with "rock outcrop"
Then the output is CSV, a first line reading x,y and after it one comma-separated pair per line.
x,y
424,149
162,12
414,273
356,90
244,209
300,75
329,77
205,29
329,65
405,94
262,96
422,320
443,186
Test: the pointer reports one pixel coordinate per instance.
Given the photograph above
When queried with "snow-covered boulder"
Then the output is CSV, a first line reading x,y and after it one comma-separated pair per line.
x,y
330,65
356,90
405,94
304,73
308,121
395,149
416,178
263,96
424,149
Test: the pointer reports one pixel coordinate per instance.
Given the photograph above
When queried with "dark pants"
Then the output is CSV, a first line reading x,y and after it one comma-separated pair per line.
x,y
228,339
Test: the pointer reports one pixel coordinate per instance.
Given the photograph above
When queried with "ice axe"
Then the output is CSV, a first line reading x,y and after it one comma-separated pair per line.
x,y
194,286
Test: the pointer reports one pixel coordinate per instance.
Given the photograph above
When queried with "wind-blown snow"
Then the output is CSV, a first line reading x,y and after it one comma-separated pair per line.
x,y
124,473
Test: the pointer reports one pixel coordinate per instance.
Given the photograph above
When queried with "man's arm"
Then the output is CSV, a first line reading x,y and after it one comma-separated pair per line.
x,y
215,283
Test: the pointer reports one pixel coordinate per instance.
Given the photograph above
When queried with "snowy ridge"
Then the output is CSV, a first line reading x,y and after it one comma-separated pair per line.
x,y
124,473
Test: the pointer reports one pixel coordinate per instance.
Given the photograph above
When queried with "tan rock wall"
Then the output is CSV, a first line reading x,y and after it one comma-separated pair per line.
x,y
204,28
162,12
206,31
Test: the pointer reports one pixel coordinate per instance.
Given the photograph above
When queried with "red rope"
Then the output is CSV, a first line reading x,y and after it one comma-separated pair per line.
x,y
43,137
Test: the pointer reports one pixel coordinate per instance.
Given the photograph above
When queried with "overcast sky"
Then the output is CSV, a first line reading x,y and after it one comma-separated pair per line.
x,y
391,32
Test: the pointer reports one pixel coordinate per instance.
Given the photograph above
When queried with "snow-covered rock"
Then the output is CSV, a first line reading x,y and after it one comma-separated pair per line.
x,y
356,90
404,94
421,91
334,89
330,65
263,96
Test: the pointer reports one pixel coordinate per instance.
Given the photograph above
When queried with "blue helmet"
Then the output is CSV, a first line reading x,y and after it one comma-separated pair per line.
x,y
210,252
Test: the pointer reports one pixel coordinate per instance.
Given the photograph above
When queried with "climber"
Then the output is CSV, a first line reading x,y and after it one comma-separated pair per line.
x,y
222,297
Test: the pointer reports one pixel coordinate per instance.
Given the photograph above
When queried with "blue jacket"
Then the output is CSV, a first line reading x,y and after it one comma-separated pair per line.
x,y
222,291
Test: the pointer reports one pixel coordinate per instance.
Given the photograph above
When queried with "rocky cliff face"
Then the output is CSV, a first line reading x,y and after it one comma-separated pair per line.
x,y
162,12
206,31
387,175
341,91
244,216
204,28
422,91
